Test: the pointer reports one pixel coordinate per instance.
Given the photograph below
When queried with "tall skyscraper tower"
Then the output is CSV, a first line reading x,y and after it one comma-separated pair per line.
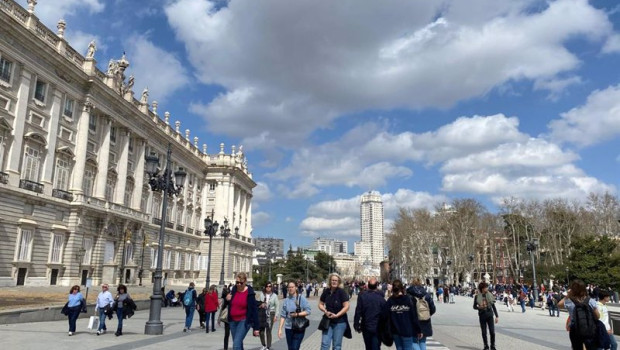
x,y
371,219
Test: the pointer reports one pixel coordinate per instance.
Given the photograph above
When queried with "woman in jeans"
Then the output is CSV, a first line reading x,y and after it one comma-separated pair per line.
x,y
577,294
104,301
120,299
75,307
289,311
211,305
334,303
243,312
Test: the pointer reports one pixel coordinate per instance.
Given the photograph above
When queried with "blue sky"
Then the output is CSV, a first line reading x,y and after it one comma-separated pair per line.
x,y
424,101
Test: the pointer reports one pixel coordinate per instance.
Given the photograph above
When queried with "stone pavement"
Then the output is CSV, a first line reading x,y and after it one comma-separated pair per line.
x,y
53,335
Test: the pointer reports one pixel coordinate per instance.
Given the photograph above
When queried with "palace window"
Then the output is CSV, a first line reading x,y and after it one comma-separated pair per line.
x,y
154,253
89,179
4,134
128,253
110,186
128,193
40,91
58,241
6,70
69,107
177,261
63,172
24,248
32,162
92,123
87,245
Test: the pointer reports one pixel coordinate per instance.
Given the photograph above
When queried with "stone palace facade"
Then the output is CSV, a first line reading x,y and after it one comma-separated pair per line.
x,y
76,204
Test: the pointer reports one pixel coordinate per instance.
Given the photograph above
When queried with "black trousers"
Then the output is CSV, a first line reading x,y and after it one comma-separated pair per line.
x,y
486,321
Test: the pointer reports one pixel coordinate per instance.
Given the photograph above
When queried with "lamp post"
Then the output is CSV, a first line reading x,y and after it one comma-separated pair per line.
x,y
567,277
224,232
210,230
126,239
270,254
531,247
161,182
307,260
80,257
141,271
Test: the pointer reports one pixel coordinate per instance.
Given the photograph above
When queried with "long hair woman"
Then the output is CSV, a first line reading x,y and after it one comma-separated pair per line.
x,y
577,294
294,305
334,303
75,307
400,312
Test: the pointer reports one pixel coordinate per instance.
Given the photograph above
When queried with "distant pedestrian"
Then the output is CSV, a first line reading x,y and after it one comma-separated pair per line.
x,y
425,308
105,303
577,299
243,312
484,302
211,305
604,298
74,306
270,307
200,307
124,307
334,303
295,305
225,306
367,314
189,303
402,317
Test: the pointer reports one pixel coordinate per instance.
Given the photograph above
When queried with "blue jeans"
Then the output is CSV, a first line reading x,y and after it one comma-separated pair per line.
x,y
419,344
238,330
293,339
189,315
371,340
119,315
74,313
403,343
102,317
334,334
522,302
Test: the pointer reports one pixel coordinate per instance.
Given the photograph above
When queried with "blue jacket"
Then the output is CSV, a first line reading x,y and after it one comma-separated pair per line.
x,y
251,315
368,310
401,314
420,292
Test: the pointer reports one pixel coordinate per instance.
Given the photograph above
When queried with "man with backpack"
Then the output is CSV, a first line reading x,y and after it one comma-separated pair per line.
x,y
367,312
484,302
189,303
425,308
583,314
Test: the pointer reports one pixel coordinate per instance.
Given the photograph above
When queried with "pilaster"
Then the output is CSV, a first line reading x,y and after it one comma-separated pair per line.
x,y
121,182
104,158
81,144
15,154
48,164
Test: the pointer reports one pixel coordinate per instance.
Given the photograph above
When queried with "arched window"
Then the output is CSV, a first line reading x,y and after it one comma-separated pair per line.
x,y
129,186
90,171
110,186
62,172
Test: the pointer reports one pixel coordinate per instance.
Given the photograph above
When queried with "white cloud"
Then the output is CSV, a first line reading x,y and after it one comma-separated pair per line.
x,y
261,192
153,67
79,41
613,44
49,12
340,217
556,86
286,75
260,218
596,121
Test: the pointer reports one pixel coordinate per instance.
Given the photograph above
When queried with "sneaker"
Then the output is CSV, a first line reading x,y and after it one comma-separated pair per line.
x,y
98,332
189,330
212,329
70,333
184,329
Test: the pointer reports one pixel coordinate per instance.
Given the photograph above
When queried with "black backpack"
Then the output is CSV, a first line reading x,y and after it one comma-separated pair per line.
x,y
584,322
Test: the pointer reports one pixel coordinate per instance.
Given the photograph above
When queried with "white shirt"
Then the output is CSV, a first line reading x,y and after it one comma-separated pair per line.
x,y
103,299
602,309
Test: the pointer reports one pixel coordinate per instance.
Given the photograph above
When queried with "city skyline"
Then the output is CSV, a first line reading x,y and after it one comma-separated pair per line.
x,y
422,102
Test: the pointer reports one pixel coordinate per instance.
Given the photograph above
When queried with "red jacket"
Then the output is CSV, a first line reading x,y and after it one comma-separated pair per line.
x,y
211,302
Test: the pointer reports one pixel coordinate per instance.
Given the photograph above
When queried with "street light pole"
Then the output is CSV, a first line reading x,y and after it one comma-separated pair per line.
x,y
225,232
210,230
531,247
161,183
142,258
567,277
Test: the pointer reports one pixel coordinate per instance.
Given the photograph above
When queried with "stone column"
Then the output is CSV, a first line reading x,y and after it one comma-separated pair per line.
x,y
139,174
230,203
48,164
15,153
81,144
104,158
242,212
121,181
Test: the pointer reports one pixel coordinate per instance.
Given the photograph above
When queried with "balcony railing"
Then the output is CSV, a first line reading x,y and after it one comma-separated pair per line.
x,y
68,196
189,230
198,232
4,178
31,186
180,227
157,221
169,224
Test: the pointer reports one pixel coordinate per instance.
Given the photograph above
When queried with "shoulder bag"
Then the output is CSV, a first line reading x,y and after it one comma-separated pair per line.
x,y
299,324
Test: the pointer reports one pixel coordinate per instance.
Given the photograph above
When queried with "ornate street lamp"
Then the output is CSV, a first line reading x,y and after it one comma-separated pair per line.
x,y
531,247
210,230
141,271
161,182
225,232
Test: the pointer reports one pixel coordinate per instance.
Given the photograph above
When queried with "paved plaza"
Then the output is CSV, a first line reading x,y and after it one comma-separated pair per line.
x,y
455,327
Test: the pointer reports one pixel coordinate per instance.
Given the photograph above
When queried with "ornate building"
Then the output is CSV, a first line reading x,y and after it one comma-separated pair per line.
x,y
76,203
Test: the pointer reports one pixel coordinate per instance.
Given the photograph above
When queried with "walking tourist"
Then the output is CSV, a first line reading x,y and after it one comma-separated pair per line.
x,y
243,312
211,305
402,317
74,306
334,303
104,305
582,311
484,302
223,316
293,306
269,307
367,313
425,308
200,307
189,303
124,306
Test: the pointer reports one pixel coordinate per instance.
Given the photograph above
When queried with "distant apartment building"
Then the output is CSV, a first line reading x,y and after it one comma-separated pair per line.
x,y
330,246
273,245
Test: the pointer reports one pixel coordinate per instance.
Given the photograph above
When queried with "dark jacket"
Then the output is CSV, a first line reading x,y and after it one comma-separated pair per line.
x,y
200,303
401,314
416,292
251,315
368,310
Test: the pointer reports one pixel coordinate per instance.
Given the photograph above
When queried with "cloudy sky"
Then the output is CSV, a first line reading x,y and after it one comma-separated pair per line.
x,y
424,101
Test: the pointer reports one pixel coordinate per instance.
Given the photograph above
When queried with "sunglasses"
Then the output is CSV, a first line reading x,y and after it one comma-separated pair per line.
x,y
240,282
269,286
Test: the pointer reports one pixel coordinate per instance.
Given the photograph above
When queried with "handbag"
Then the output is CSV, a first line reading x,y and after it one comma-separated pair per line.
x,y
83,304
299,324
223,317
324,324
65,309
93,322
